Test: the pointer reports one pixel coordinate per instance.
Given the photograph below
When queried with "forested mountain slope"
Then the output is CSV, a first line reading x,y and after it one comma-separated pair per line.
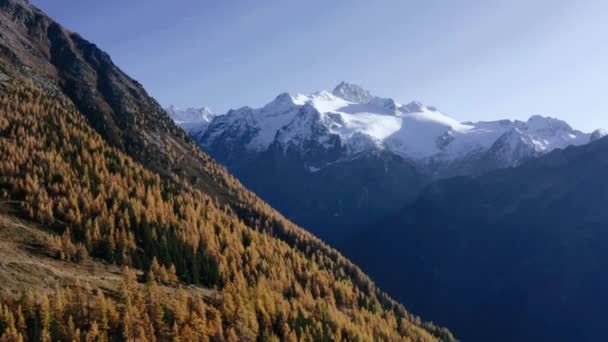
x,y
62,174
87,154
118,107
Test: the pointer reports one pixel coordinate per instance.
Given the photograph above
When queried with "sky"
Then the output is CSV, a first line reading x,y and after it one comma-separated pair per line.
x,y
473,59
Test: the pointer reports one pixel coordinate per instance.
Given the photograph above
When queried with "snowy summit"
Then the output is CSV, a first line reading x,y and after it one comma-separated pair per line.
x,y
363,122
191,119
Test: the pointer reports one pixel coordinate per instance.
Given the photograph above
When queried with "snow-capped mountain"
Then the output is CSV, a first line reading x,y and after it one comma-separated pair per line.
x,y
360,122
191,119
335,160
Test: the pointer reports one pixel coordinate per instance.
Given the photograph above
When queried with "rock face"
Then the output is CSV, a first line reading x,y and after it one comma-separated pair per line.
x,y
389,151
113,102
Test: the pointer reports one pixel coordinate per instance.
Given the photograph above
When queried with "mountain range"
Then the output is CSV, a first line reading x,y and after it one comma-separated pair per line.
x,y
116,225
349,157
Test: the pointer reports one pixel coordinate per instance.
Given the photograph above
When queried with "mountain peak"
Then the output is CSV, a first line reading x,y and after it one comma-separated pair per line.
x,y
414,107
282,103
352,92
186,115
283,98
598,134
538,122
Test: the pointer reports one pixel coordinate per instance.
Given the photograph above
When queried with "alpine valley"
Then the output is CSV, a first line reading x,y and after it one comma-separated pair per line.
x,y
124,221
336,161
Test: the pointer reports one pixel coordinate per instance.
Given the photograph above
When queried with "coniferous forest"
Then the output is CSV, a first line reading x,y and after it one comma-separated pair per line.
x,y
171,240
217,204
236,197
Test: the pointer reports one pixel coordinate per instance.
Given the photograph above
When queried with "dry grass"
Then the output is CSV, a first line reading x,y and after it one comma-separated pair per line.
x,y
26,263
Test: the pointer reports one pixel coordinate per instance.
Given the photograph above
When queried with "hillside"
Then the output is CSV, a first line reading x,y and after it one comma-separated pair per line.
x,y
527,243
47,286
89,158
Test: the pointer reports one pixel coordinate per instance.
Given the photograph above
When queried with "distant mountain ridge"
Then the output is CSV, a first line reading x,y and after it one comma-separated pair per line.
x,y
363,122
180,115
194,120
389,150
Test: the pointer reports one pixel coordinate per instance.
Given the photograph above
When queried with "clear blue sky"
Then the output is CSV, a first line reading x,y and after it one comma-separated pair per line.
x,y
475,60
